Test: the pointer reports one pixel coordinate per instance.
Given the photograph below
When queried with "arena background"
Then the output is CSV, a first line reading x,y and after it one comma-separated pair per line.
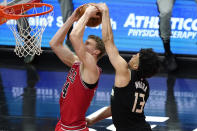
x,y
134,24
29,93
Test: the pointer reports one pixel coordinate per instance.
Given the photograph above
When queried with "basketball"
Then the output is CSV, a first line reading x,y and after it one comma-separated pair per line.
x,y
93,22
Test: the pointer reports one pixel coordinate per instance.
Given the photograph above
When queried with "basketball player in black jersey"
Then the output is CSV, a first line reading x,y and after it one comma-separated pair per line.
x,y
131,89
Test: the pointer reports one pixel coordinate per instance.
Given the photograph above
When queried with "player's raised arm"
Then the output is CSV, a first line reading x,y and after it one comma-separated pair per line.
x,y
76,37
117,61
56,43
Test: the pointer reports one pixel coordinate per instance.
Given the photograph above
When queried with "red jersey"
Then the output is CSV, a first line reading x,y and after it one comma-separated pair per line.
x,y
74,101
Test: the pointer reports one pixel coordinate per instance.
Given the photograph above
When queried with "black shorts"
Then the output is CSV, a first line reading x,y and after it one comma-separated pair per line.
x,y
135,129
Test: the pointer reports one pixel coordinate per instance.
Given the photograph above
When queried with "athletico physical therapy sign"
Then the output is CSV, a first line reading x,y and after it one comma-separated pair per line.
x,y
134,24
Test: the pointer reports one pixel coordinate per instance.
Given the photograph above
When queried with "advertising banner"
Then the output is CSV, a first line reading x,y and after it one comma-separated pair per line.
x,y
135,25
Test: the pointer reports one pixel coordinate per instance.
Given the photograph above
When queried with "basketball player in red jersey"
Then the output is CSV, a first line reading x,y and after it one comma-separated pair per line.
x,y
82,79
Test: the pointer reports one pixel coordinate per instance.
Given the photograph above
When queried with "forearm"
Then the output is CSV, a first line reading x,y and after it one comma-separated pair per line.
x,y
108,39
56,43
107,34
103,115
59,37
79,28
76,36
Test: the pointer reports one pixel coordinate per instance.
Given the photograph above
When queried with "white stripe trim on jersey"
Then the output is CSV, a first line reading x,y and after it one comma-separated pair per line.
x,y
73,130
62,125
69,126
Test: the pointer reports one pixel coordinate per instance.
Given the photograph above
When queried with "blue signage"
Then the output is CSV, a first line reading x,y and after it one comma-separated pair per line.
x,y
134,24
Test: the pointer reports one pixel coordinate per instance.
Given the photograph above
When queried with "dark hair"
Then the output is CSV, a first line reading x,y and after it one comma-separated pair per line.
x,y
100,45
149,63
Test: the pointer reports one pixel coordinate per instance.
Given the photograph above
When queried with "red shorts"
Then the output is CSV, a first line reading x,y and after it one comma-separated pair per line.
x,y
59,127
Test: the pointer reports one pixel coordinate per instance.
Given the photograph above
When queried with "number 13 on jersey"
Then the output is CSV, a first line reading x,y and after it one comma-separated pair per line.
x,y
138,103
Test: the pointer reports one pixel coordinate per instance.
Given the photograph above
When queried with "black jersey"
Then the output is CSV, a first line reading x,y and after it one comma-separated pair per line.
x,y
127,104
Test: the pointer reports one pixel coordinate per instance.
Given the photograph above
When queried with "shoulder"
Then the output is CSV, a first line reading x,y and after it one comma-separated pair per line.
x,y
99,69
122,79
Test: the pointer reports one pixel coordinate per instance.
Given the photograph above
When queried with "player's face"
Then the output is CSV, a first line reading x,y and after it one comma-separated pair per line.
x,y
134,61
90,45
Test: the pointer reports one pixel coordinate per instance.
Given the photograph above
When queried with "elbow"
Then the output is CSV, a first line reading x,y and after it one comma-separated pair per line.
x,y
51,43
54,45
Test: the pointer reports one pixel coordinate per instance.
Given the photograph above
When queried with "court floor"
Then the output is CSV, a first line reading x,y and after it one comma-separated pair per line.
x,y
29,96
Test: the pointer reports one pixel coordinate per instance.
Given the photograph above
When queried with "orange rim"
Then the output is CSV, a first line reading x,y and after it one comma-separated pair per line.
x,y
1,6
2,19
27,6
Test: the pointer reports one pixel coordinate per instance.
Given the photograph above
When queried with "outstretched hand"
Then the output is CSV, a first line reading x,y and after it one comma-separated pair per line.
x,y
77,13
100,6
92,11
89,122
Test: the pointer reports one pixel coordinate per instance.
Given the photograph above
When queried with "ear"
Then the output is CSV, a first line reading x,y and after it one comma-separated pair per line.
x,y
97,52
135,66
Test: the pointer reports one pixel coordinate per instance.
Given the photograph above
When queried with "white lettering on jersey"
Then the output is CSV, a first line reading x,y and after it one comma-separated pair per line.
x,y
141,85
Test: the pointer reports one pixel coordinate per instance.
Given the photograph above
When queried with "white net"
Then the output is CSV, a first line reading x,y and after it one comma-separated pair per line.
x,y
28,32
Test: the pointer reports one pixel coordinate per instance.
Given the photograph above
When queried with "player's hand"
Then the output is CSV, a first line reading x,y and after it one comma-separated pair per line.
x,y
92,11
76,14
101,6
89,122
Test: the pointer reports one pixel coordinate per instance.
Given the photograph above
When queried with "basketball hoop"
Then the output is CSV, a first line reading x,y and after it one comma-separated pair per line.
x,y
2,19
27,22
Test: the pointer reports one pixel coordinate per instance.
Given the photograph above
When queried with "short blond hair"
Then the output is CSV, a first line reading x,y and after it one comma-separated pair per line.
x,y
99,45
